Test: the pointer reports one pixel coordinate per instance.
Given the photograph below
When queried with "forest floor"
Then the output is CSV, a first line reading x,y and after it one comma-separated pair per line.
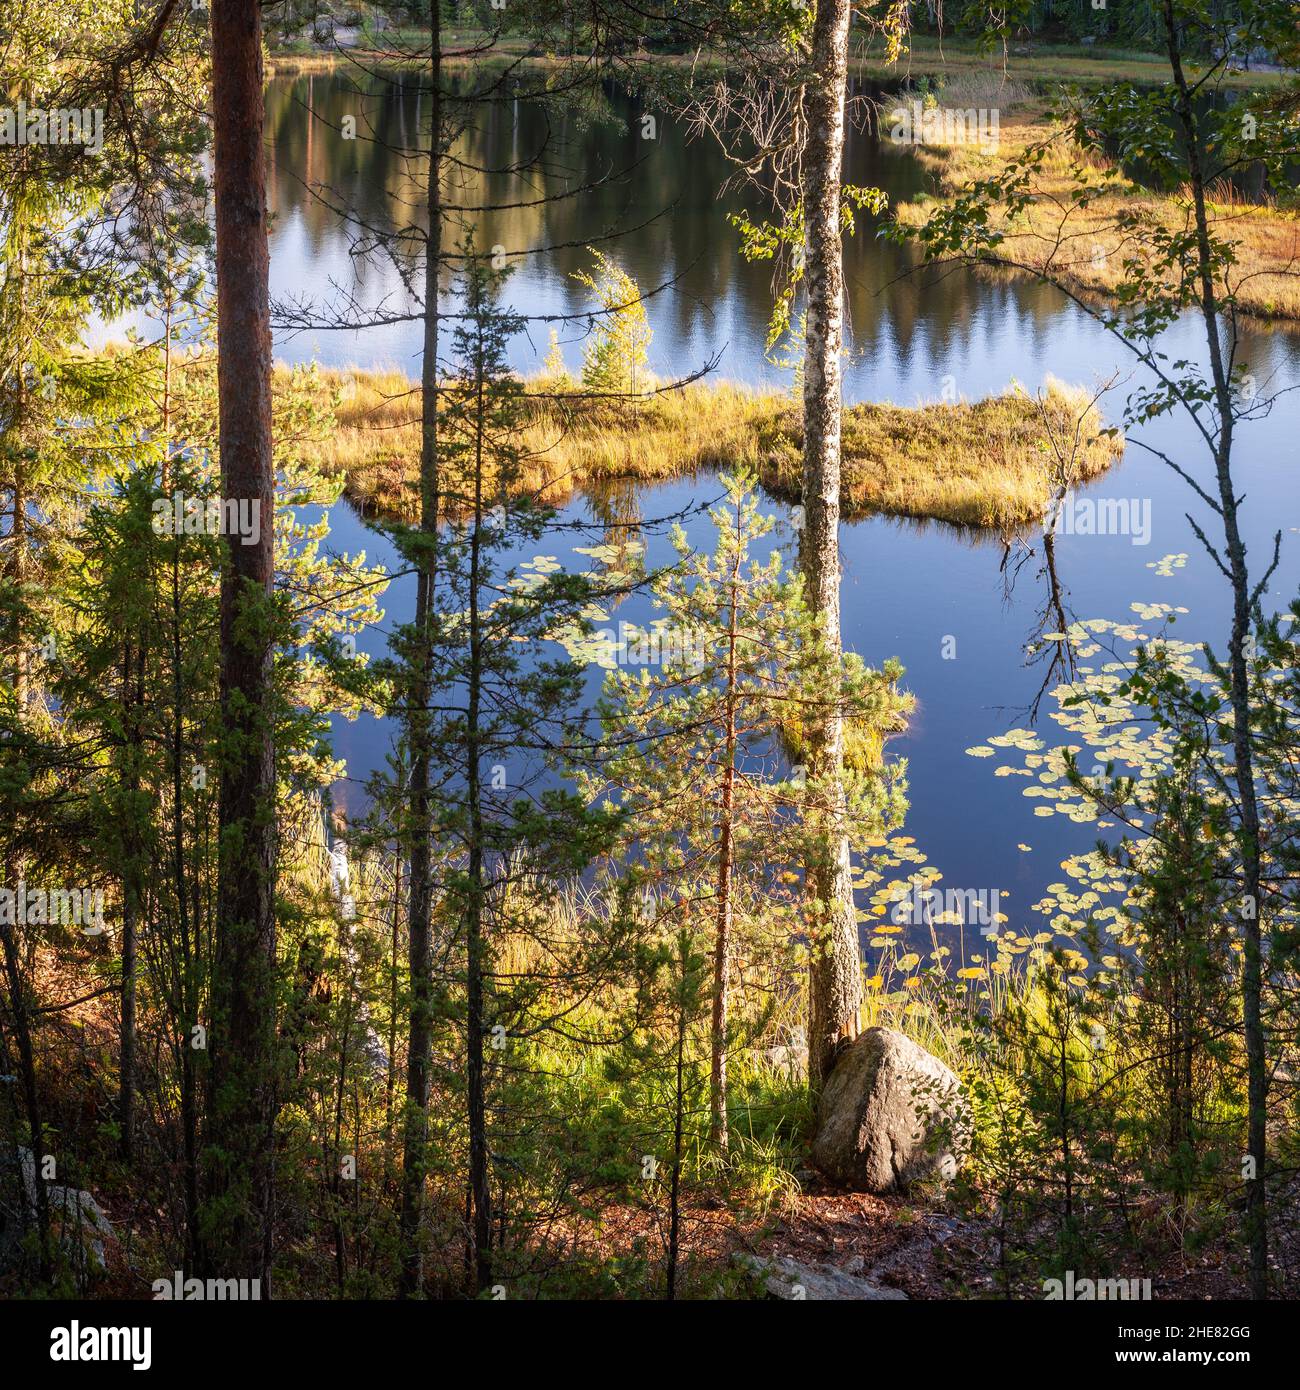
x,y
922,1247
926,1245
929,1249
891,1242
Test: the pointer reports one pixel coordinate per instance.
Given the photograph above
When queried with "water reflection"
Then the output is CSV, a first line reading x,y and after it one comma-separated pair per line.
x,y
936,597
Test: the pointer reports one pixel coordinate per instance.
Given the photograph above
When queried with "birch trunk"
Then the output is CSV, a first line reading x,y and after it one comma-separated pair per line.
x,y
726,851
835,973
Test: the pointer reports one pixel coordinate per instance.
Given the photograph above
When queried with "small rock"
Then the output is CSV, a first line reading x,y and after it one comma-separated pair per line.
x,y
790,1060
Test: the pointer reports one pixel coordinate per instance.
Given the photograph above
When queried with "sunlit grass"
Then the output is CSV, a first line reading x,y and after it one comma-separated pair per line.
x,y
975,464
1032,60
1087,246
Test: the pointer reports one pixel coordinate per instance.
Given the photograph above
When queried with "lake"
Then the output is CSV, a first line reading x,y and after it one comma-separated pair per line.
x,y
919,592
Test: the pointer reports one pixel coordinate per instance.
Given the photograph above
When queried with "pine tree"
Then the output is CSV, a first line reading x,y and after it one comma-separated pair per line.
x,y
614,361
508,837
734,667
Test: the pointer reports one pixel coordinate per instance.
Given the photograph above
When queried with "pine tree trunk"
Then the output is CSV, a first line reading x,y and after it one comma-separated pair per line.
x,y
187,970
15,868
20,1013
835,973
679,1114
475,1018
420,1033
390,1081
132,899
236,1239
186,924
18,426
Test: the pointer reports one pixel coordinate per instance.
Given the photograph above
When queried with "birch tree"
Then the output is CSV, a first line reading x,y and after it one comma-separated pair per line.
x,y
781,118
835,970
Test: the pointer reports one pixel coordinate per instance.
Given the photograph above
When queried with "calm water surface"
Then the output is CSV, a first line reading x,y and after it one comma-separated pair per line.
x,y
907,587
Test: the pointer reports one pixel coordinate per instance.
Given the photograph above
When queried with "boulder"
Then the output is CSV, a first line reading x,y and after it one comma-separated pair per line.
x,y
890,1116
77,1221
81,1227
789,1058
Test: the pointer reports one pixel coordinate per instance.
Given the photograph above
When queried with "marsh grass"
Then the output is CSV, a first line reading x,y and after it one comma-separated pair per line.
x,y
1033,62
1087,246
976,464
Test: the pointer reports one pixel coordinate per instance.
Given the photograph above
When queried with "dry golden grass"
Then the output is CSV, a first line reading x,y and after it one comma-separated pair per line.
x,y
980,464
1084,246
1033,61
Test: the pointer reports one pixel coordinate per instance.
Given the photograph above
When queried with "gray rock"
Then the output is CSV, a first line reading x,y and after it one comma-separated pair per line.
x,y
796,1282
890,1116
788,1059
81,1227
77,1221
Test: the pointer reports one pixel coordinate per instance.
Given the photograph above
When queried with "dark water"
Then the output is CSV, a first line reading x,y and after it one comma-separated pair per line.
x,y
907,587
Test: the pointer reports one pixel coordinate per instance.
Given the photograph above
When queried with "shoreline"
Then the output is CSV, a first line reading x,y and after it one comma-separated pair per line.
x,y
1266,237
926,57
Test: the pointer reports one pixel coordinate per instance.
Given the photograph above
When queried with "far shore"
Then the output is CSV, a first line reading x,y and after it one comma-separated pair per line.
x,y
1091,258
1029,62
